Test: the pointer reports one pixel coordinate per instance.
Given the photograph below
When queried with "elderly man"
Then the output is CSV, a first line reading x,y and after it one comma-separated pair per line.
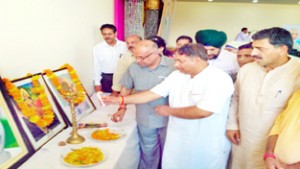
x,y
262,89
124,62
197,112
283,147
213,40
149,70
106,55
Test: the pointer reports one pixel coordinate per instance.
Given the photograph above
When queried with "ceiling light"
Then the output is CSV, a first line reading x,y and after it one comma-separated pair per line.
x,y
299,2
210,0
255,1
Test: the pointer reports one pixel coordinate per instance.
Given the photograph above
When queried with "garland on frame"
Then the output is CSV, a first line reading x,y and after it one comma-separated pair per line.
x,y
43,117
74,77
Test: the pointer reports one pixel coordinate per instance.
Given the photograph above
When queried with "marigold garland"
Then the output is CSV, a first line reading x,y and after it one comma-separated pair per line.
x,y
43,119
55,81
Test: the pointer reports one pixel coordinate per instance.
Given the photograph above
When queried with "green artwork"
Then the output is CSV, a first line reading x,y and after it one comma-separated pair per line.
x,y
10,139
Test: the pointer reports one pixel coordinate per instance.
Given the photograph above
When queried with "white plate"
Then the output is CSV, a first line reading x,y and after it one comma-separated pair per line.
x,y
119,131
105,154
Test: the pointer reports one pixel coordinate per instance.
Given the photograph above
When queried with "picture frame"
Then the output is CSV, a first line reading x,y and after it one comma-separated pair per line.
x,y
37,136
14,145
82,109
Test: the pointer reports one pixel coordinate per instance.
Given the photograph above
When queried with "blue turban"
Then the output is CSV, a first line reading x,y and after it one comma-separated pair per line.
x,y
210,37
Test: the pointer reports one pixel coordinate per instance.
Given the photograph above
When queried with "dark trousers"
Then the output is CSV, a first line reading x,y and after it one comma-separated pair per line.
x,y
106,82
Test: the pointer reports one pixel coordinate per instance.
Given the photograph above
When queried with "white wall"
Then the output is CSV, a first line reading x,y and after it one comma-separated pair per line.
x,y
40,34
229,17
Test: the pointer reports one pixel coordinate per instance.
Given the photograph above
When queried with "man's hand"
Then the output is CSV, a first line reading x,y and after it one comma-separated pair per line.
x,y
291,166
234,136
272,163
163,110
118,116
111,99
98,88
114,93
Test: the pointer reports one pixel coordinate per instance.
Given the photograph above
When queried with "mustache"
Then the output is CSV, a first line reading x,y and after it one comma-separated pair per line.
x,y
256,56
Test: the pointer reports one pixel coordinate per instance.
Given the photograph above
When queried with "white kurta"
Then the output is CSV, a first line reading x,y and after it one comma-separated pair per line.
x,y
242,37
227,62
197,143
258,98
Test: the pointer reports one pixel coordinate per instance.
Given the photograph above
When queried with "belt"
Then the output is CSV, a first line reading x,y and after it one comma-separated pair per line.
x,y
107,74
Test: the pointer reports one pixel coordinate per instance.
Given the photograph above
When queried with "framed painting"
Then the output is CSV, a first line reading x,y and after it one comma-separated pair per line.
x,y
13,146
35,109
81,109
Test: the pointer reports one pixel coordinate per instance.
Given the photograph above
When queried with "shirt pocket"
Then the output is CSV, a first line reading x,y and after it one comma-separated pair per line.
x,y
196,97
278,98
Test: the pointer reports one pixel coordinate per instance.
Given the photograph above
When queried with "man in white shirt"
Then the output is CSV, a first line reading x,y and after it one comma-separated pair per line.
x,y
106,55
243,36
124,62
213,41
197,113
262,90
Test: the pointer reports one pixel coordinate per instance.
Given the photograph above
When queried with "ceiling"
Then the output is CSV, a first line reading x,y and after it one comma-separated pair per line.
x,y
249,1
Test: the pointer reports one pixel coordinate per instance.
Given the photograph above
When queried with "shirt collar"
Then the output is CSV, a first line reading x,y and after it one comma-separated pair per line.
x,y
286,65
117,44
163,61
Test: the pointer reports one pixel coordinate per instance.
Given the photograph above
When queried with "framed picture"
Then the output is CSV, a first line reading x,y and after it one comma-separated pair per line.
x,y
82,109
36,110
13,145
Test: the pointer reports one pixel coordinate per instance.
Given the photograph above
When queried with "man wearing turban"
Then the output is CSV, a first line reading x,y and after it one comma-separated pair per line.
x,y
213,41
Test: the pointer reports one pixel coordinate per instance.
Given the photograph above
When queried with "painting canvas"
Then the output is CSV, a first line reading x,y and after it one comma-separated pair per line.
x,y
82,109
38,133
13,148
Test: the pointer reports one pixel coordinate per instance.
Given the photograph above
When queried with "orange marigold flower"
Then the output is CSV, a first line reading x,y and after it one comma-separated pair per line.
x,y
49,116
48,112
47,107
34,119
31,112
42,123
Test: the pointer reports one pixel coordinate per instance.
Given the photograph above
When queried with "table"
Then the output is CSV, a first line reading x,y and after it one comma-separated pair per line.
x,y
122,154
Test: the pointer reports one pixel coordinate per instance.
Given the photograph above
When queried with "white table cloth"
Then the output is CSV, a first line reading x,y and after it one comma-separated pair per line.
x,y
122,154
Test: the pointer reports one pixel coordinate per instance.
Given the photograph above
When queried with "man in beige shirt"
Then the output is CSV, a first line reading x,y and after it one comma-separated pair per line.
x,y
124,62
262,90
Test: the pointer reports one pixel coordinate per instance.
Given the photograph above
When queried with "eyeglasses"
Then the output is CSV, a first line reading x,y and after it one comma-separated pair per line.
x,y
144,57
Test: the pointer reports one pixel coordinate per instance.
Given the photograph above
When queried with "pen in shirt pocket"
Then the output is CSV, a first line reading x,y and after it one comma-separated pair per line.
x,y
278,93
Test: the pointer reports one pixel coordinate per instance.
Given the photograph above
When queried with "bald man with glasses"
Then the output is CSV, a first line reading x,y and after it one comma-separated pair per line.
x,y
149,70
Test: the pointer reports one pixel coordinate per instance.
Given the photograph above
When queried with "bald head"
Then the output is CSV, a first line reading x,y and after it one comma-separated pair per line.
x,y
147,54
131,41
146,45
